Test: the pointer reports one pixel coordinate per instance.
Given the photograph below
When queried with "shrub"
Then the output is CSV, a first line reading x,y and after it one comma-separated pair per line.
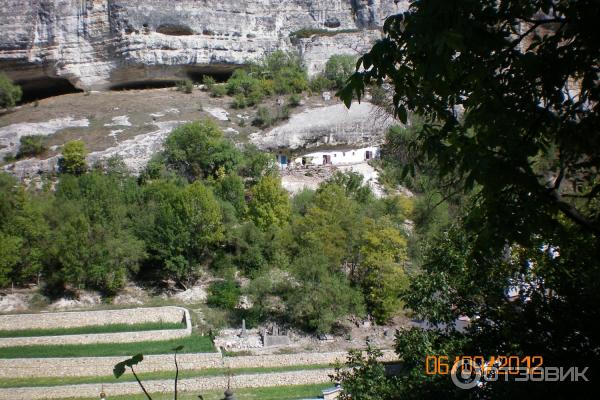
x,y
218,91
185,86
254,98
10,93
294,100
320,84
208,82
243,84
283,113
224,294
263,118
284,70
31,146
239,101
268,87
338,69
73,158
291,80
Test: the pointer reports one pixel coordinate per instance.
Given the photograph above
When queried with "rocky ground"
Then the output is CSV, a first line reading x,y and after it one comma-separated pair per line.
x,y
134,123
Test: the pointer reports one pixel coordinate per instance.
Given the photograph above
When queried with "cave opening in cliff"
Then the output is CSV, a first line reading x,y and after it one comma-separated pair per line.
x,y
175,30
198,76
148,84
37,89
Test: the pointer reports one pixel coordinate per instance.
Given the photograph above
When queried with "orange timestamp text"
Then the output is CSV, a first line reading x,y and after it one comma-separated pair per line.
x,y
443,365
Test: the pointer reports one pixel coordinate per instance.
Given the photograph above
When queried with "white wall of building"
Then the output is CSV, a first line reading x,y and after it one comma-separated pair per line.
x,y
339,157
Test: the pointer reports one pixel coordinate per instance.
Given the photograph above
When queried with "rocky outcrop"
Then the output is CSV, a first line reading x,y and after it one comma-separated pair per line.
x,y
99,44
135,153
333,125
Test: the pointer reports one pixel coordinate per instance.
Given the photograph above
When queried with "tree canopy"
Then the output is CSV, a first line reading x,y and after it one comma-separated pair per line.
x,y
507,98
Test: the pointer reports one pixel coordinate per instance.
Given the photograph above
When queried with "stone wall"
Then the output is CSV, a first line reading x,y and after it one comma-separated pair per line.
x,y
197,385
102,366
73,319
283,360
77,319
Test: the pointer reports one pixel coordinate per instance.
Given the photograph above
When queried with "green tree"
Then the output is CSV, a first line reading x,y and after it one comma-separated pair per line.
x,y
10,93
270,204
509,117
198,150
247,89
10,247
224,294
330,224
22,217
73,158
92,255
381,274
323,295
257,163
230,188
338,69
185,223
92,241
363,377
9,197
31,225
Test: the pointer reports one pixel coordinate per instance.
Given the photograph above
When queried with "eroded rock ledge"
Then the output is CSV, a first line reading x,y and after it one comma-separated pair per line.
x,y
99,44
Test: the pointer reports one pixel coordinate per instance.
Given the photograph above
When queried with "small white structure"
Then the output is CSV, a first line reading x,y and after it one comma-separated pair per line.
x,y
338,157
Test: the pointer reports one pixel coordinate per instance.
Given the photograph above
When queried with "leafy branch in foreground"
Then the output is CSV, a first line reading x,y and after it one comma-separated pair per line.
x,y
120,368
508,96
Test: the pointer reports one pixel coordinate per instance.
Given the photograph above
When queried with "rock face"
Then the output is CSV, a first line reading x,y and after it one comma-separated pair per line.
x,y
334,125
99,44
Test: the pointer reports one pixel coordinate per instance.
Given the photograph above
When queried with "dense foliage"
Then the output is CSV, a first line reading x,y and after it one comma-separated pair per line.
x,y
204,206
508,97
73,158
338,69
30,146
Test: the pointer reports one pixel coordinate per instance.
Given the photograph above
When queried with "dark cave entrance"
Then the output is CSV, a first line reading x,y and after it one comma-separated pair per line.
x,y
161,77
41,88
141,85
220,77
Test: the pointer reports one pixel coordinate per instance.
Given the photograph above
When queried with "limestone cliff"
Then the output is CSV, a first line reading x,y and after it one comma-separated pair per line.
x,y
99,44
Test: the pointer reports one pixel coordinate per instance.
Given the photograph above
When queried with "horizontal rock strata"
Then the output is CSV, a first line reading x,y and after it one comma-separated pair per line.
x,y
99,44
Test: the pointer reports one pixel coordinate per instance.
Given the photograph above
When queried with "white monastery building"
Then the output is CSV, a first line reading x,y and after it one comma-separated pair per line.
x,y
331,157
